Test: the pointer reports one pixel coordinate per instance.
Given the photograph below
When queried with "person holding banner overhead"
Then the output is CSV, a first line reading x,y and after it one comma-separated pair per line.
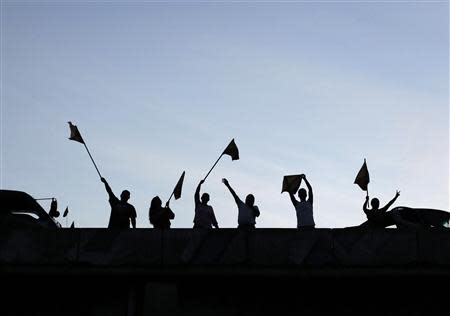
x,y
248,211
160,216
122,212
304,206
204,213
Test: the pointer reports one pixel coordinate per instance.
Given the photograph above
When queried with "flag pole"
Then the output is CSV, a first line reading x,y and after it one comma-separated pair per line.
x,y
170,197
213,167
87,149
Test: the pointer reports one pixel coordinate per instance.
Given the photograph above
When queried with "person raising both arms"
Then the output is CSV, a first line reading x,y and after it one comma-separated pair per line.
x,y
378,217
304,206
248,211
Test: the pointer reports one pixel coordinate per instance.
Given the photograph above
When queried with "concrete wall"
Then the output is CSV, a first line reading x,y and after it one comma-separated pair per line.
x,y
223,272
148,248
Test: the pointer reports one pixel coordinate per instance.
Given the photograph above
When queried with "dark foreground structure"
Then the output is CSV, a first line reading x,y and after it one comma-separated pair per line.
x,y
224,272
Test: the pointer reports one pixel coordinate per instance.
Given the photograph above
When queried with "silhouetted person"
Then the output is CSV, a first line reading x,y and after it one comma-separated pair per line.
x,y
204,213
304,207
247,212
378,217
121,211
160,216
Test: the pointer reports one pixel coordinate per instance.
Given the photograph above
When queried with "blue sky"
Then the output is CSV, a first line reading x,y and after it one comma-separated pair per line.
x,y
157,88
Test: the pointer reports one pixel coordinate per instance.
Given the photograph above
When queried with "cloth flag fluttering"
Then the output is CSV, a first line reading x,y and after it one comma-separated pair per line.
x,y
66,212
75,133
76,136
232,150
291,183
362,178
179,187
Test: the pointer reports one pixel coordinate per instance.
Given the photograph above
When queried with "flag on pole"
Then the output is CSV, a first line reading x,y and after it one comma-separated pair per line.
x,y
66,212
178,187
75,133
54,209
291,183
232,150
362,178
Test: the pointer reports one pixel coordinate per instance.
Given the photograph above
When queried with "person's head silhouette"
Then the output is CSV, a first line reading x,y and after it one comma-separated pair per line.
x,y
125,196
250,200
375,203
205,198
155,203
302,194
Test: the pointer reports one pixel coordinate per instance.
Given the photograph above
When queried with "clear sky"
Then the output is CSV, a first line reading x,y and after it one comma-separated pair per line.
x,y
157,88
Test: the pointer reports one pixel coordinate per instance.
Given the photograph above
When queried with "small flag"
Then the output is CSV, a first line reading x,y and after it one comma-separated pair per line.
x,y
291,183
362,178
232,150
75,133
54,209
179,187
66,212
73,225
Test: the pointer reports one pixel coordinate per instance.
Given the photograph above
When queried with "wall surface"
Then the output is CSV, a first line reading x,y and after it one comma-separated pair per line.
x,y
225,272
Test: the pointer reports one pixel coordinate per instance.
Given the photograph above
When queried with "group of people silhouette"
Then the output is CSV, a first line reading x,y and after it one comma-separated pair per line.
x,y
123,214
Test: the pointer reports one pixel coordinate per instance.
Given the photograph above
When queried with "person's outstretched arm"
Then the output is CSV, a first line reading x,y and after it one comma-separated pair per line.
x,y
235,196
310,190
108,189
366,205
387,206
197,193
293,199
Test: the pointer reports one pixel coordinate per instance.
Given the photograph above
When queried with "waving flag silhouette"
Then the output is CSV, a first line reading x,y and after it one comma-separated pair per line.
x,y
179,187
291,183
75,133
232,150
362,178
76,136
66,212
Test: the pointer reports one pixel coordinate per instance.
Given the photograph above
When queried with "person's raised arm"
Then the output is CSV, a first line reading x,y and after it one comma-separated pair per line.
x,y
197,193
387,206
227,184
366,204
293,200
310,190
108,188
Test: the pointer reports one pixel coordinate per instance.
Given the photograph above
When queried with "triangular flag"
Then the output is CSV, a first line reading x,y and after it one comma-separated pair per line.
x,y
291,183
362,178
178,187
232,150
73,225
66,212
75,133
